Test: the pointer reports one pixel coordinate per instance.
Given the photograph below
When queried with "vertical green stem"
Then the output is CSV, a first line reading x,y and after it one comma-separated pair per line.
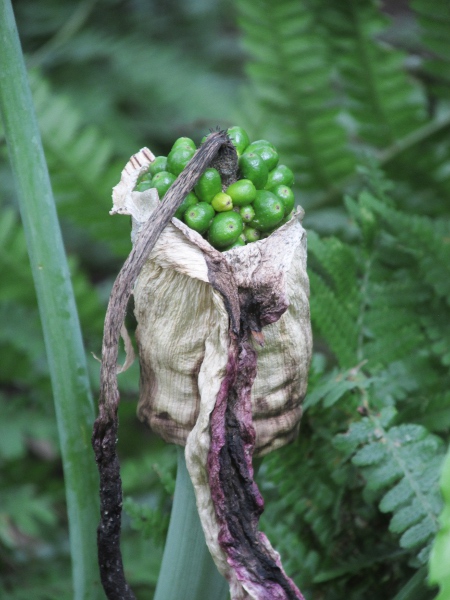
x,y
187,571
64,346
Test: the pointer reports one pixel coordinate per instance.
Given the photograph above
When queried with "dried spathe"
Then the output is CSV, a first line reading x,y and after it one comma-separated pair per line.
x,y
224,344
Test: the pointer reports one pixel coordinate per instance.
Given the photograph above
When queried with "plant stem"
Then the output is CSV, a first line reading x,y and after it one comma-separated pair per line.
x,y
63,341
187,571
386,156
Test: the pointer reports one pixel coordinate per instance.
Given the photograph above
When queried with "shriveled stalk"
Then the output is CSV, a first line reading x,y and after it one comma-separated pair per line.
x,y
187,571
106,425
63,341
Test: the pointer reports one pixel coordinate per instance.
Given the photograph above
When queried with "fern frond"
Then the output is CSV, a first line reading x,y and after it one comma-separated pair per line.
x,y
439,572
16,278
292,78
427,240
18,302
422,173
81,164
152,522
401,465
384,102
434,19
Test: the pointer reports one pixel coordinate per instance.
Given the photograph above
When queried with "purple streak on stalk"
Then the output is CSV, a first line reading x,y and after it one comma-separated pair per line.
x,y
236,497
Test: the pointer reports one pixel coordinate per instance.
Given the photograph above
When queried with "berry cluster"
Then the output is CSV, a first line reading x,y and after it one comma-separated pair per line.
x,y
259,202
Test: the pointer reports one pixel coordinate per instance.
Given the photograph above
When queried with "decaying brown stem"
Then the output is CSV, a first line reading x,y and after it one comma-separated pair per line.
x,y
105,427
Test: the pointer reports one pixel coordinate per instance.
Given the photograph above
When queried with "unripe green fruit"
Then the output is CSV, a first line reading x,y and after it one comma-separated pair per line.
x,y
178,158
242,192
222,202
158,165
209,184
199,217
190,201
269,211
239,137
285,194
184,141
247,213
162,182
251,234
254,168
225,229
281,175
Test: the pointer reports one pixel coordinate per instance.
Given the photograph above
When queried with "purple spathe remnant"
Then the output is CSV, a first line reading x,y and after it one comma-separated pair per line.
x,y
236,497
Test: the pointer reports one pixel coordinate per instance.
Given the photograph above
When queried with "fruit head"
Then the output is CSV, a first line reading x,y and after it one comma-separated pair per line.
x,y
158,165
254,168
285,194
190,200
222,202
178,158
225,229
162,182
199,217
239,137
242,192
281,175
208,185
269,211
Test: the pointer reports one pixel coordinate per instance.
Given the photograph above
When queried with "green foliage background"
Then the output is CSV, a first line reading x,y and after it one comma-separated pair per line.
x,y
357,99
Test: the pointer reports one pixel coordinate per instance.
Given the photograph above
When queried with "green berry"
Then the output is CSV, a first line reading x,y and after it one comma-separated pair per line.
x,y
190,200
178,158
267,153
254,168
208,185
239,137
162,182
199,217
247,213
242,192
144,185
281,175
269,211
285,194
225,229
184,141
237,244
258,144
158,165
222,202
251,234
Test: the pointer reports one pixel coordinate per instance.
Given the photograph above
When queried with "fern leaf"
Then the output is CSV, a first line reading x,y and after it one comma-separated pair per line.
x,y
401,464
81,166
335,300
439,572
434,19
291,77
384,102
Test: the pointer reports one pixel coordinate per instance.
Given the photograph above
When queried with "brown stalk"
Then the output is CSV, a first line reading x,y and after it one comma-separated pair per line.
x,y
104,438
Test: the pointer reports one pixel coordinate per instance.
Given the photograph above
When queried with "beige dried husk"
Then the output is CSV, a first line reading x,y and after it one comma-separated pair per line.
x,y
183,336
183,324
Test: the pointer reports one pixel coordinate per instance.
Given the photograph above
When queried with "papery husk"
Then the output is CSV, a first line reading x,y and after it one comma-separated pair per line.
x,y
178,311
189,302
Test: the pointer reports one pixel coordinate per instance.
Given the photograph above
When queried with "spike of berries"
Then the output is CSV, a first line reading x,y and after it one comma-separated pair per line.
x,y
250,209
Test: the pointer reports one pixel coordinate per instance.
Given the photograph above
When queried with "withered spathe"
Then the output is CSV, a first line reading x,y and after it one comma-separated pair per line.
x,y
224,346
